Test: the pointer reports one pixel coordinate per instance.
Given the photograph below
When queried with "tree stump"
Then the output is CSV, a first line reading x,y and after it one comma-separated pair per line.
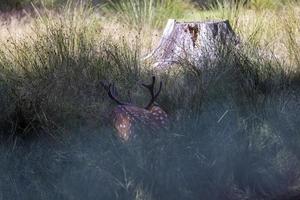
x,y
195,42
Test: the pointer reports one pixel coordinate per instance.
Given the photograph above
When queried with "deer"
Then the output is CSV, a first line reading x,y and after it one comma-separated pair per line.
x,y
127,117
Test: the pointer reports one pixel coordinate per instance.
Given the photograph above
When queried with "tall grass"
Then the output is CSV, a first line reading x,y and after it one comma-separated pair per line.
x,y
268,4
253,4
58,46
233,133
153,13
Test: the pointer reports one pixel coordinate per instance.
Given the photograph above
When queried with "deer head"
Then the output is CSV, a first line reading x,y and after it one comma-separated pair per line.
x,y
126,117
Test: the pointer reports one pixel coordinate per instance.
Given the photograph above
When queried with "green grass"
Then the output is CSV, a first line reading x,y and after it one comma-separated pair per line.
x,y
153,13
234,126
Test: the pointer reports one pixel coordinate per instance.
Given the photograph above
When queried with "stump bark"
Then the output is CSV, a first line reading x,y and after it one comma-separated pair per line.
x,y
196,42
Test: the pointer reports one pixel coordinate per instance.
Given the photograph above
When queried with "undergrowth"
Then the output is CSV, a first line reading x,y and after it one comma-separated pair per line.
x,y
234,125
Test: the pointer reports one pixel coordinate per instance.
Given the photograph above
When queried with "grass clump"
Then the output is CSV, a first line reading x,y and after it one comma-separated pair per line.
x,y
56,53
153,13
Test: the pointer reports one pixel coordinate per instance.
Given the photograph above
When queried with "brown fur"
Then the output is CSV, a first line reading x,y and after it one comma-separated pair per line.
x,y
127,117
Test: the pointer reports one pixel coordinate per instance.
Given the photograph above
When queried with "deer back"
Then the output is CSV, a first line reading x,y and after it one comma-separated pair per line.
x,y
128,118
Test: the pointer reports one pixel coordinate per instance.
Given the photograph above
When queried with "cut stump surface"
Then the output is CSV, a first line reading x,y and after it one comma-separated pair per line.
x,y
192,41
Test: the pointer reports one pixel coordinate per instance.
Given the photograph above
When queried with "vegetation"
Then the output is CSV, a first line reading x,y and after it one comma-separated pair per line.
x,y
234,125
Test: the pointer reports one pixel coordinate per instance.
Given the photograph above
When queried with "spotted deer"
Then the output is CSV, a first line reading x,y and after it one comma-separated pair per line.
x,y
128,117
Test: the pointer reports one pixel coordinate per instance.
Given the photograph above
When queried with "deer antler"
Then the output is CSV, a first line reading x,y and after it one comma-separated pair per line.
x,y
150,87
108,87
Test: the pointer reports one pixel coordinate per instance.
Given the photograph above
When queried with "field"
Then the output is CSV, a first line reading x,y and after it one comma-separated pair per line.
x,y
234,125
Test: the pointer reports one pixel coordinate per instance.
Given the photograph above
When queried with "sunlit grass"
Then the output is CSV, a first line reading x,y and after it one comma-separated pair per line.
x,y
141,13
